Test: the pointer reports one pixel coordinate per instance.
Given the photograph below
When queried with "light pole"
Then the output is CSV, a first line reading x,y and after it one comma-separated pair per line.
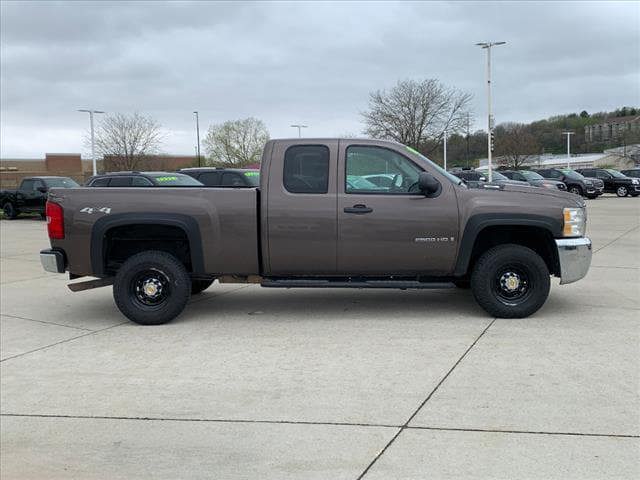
x,y
487,46
299,127
198,135
568,134
445,149
93,143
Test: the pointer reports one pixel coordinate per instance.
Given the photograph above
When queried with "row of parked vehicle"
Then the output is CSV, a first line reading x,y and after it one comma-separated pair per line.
x,y
587,182
30,197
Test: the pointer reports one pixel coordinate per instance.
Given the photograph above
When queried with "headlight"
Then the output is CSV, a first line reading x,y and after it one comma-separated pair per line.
x,y
635,181
575,222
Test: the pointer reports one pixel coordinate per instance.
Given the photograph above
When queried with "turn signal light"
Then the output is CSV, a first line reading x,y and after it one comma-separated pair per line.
x,y
55,221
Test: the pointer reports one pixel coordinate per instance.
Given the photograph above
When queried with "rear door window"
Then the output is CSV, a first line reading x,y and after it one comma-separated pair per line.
x,y
120,182
306,169
27,185
230,179
100,182
141,182
210,179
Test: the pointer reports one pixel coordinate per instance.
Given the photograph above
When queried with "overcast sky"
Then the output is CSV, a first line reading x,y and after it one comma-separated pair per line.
x,y
306,62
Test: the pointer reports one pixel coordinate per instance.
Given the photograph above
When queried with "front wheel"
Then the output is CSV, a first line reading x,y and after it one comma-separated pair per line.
x,y
10,211
510,281
152,288
622,191
575,189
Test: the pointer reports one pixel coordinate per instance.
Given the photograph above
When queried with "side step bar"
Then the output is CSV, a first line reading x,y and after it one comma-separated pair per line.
x,y
326,283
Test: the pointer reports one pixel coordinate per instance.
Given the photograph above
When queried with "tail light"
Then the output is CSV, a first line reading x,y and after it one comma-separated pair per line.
x,y
55,221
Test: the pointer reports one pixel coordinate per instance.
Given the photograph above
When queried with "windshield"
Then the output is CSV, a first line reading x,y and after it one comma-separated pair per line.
x,y
615,173
175,180
496,176
61,182
437,167
529,175
572,174
253,177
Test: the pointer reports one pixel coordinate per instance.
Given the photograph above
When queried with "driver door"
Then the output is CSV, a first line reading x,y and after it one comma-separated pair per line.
x,y
392,229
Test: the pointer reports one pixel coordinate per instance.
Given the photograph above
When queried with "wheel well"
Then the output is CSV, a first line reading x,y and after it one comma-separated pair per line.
x,y
538,239
123,241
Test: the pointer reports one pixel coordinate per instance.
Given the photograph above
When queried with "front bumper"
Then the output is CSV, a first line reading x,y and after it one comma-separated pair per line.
x,y
53,260
575,258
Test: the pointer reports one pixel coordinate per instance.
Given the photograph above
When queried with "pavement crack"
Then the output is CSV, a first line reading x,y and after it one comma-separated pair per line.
x,y
417,410
92,332
203,420
524,432
615,239
46,322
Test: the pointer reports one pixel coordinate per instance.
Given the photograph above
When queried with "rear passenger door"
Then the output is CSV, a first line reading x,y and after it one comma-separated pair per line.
x,y
301,209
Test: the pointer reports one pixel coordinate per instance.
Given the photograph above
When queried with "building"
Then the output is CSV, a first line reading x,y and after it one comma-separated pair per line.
x,y
612,129
72,165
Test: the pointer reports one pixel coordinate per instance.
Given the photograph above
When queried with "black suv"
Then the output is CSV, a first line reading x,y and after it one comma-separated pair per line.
x,y
632,172
576,183
142,179
614,181
225,177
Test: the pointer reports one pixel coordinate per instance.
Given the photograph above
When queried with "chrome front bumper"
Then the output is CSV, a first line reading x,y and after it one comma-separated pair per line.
x,y
575,258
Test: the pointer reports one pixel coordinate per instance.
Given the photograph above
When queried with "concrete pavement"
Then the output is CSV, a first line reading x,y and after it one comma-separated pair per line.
x,y
327,384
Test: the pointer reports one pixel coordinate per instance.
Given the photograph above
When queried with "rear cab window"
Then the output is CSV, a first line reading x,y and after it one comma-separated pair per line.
x,y
306,169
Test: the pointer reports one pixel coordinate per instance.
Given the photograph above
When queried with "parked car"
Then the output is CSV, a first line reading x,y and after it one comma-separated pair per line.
x,y
614,181
31,196
224,177
468,175
632,172
498,178
306,227
142,179
533,178
576,183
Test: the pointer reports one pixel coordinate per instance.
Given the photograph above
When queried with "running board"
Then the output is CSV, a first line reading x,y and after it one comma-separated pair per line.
x,y
325,283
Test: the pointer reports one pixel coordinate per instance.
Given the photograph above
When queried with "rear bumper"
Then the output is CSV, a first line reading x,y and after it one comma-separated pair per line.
x,y
575,258
53,260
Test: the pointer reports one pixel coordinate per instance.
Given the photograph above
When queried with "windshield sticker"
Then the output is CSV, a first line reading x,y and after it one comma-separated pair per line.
x,y
251,174
166,179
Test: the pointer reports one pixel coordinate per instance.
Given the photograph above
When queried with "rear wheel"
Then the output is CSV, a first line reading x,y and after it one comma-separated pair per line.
x,y
622,191
152,288
510,281
198,286
10,211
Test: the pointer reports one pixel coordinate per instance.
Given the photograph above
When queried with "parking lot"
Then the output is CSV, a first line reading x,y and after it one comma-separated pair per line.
x,y
324,384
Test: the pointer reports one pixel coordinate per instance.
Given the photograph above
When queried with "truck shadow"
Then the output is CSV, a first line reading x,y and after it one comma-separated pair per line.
x,y
294,304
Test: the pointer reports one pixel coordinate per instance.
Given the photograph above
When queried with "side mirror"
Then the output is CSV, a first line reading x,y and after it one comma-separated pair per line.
x,y
428,184
42,189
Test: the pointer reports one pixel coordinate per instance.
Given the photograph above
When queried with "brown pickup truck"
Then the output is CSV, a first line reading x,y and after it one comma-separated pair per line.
x,y
328,213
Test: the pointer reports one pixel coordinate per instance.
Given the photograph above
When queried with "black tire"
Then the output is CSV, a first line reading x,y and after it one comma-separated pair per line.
x,y
152,288
199,286
10,211
510,281
576,189
622,191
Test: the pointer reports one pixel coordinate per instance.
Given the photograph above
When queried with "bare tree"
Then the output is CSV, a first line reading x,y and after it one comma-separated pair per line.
x,y
417,113
126,140
236,142
515,145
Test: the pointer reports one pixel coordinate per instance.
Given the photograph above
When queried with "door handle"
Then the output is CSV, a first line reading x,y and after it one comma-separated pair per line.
x,y
358,209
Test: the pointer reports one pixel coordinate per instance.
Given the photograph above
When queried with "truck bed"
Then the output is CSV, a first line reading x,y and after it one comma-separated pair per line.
x,y
227,220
